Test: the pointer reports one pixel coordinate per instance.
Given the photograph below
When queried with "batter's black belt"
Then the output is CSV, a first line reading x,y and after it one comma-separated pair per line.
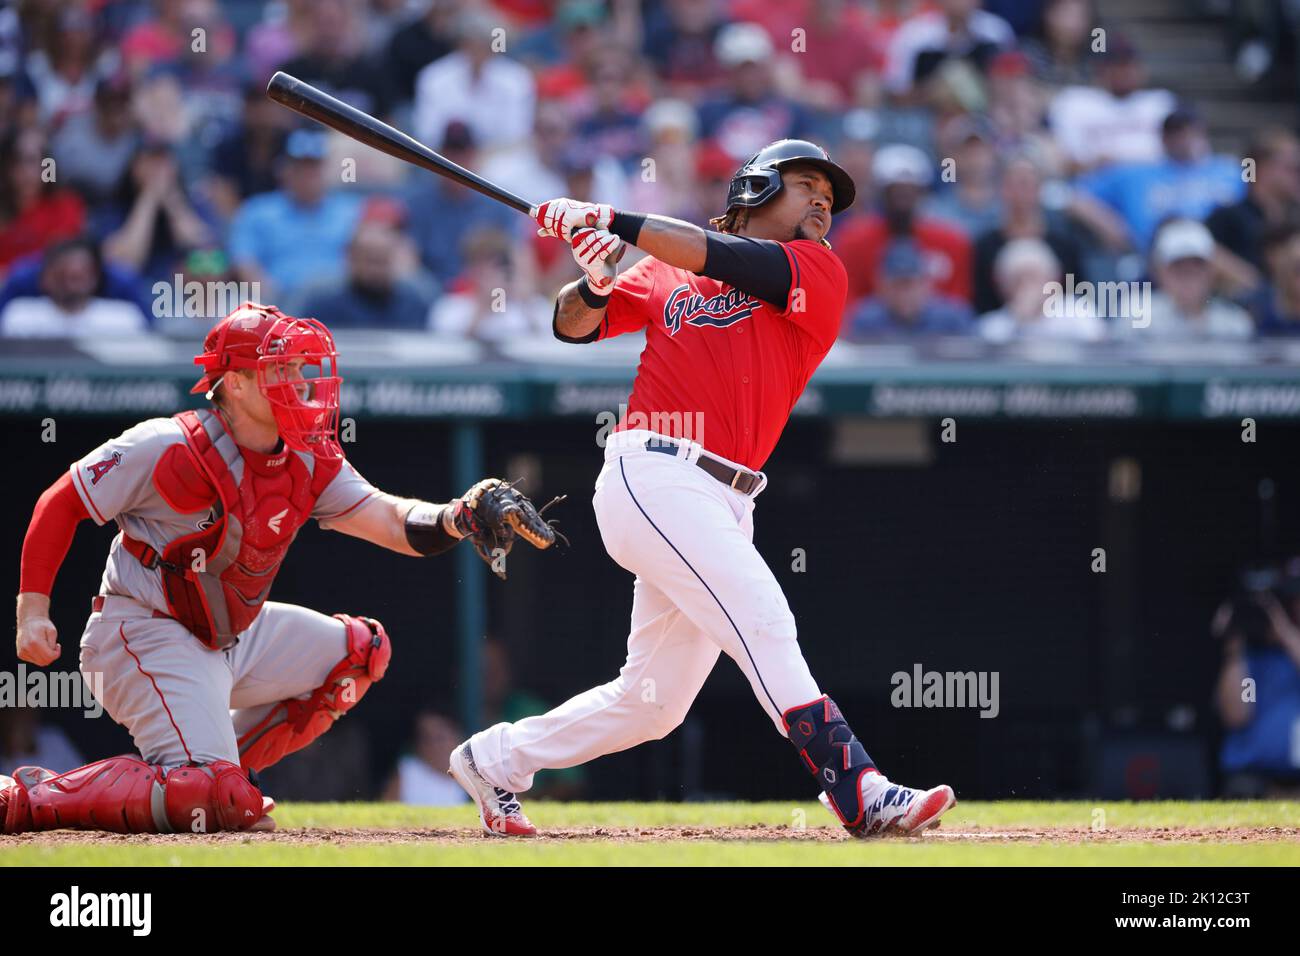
x,y
740,479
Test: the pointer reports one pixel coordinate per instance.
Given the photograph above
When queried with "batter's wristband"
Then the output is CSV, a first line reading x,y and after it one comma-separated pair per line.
x,y
627,226
590,296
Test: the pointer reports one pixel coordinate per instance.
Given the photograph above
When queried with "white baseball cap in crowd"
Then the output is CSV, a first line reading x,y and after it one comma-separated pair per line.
x,y
1182,239
900,163
664,116
739,43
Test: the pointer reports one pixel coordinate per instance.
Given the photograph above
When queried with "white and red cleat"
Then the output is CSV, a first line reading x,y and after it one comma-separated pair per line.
x,y
892,808
498,809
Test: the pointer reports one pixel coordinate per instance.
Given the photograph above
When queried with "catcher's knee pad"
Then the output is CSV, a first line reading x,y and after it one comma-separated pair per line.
x,y
831,753
126,795
293,724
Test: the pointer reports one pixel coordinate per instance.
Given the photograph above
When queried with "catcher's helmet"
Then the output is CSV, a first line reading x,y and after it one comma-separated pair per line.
x,y
262,339
760,178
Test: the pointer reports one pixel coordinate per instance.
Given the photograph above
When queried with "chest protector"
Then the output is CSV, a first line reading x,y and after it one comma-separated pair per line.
x,y
217,579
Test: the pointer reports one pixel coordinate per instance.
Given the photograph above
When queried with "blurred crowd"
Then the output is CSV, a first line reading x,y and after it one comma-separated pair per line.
x,y
1011,157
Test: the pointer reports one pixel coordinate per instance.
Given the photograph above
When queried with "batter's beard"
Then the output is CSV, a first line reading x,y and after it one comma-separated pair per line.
x,y
800,234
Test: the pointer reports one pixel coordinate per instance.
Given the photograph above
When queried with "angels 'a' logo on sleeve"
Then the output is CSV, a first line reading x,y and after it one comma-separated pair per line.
x,y
98,469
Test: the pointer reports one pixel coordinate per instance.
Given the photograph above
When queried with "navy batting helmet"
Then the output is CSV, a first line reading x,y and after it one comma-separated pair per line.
x,y
760,178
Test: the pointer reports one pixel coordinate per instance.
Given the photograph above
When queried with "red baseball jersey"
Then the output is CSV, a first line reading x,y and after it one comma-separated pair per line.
x,y
720,366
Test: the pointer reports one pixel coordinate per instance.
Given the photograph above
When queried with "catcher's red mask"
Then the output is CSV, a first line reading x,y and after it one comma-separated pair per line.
x,y
296,365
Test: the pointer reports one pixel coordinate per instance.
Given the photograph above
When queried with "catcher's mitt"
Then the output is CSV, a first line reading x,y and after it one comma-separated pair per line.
x,y
494,512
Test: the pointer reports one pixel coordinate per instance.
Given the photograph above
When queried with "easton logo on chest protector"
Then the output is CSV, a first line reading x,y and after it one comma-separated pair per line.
x,y
687,307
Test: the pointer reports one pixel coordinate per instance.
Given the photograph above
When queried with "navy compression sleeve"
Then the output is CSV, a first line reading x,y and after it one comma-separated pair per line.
x,y
756,266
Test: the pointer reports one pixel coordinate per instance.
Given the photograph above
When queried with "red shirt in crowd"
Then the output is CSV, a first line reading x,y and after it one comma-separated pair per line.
x,y
834,51
57,215
947,251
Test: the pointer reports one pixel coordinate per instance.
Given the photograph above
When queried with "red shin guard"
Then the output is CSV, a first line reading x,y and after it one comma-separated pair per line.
x,y
293,724
126,795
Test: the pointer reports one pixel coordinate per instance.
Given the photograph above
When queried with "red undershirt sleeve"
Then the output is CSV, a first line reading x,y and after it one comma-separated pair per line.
x,y
54,522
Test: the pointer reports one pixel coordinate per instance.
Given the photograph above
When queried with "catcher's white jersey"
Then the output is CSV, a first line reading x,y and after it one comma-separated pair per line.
x,y
116,483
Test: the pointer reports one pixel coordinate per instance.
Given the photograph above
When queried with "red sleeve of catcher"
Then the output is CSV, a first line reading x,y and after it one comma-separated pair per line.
x,y
54,522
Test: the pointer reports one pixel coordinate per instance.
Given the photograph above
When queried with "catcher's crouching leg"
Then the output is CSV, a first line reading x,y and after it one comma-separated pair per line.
x,y
126,795
293,724
832,754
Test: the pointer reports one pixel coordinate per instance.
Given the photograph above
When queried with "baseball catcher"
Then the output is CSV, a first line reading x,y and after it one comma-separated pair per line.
x,y
214,681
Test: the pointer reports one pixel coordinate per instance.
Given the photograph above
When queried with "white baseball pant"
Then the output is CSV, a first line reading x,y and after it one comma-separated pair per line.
x,y
182,702
701,588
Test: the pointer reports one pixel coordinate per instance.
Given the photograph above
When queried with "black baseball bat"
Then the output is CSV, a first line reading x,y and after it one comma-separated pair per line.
x,y
318,105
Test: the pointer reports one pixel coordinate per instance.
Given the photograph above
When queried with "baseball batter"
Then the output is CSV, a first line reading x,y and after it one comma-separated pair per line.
x,y
735,323
214,681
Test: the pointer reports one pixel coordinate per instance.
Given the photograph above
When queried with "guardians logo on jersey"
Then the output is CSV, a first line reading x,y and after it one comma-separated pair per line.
x,y
99,469
690,308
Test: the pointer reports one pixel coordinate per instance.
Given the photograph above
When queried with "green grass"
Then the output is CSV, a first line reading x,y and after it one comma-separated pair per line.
x,y
470,850
1003,813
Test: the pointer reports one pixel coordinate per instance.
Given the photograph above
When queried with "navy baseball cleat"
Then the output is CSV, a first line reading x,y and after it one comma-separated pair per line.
x,y
863,799
890,808
498,810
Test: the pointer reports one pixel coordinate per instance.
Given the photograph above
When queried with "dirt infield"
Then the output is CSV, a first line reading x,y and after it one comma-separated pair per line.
x,y
358,836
